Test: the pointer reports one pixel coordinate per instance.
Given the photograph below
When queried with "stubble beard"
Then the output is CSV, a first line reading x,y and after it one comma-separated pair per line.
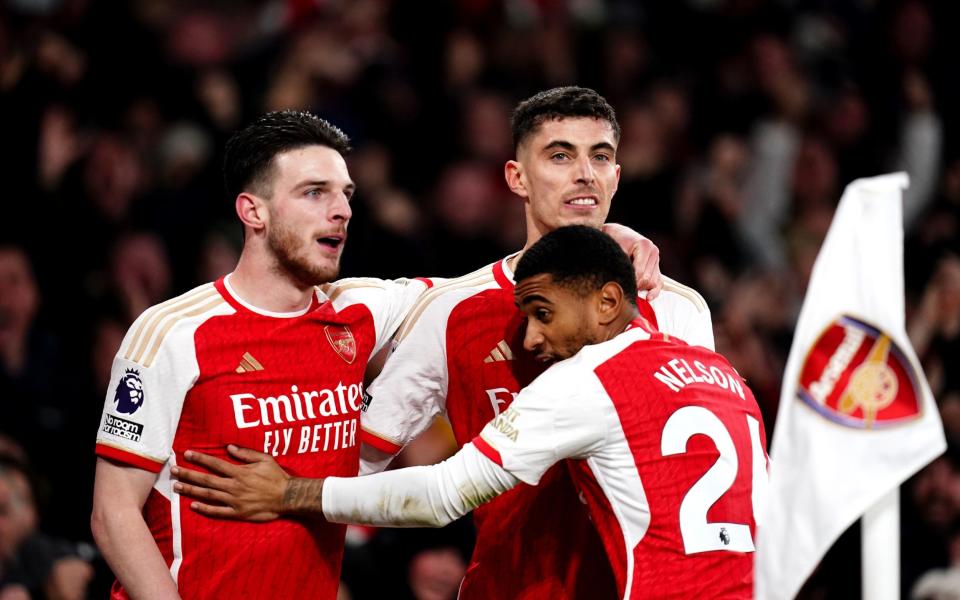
x,y
291,259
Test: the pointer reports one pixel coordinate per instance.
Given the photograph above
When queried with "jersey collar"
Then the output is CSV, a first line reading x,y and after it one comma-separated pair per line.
x,y
503,274
231,296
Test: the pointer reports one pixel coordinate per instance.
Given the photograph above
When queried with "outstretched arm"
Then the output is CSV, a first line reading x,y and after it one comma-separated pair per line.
x,y
260,490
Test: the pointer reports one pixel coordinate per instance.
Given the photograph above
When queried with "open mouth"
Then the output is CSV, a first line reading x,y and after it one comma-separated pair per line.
x,y
332,242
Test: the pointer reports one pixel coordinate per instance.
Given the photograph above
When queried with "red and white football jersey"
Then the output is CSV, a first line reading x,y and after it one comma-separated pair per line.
x,y
670,454
204,370
461,354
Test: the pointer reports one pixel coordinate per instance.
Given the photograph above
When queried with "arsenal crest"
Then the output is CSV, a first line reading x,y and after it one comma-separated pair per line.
x,y
855,375
341,338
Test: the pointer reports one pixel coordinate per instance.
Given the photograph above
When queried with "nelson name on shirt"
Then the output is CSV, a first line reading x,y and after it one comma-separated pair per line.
x,y
677,374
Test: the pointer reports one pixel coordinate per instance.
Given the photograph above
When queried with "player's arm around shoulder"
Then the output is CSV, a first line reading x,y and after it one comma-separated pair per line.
x,y
682,312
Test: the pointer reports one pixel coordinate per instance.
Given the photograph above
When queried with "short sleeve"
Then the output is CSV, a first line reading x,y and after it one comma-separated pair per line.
x,y
151,375
682,312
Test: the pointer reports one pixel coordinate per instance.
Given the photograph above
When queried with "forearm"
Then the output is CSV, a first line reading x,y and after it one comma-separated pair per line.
x,y
416,497
129,548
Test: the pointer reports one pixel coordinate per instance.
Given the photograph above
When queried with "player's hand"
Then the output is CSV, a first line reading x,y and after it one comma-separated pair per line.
x,y
644,255
252,491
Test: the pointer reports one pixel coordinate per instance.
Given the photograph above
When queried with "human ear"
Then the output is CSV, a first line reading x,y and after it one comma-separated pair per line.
x,y
251,210
609,302
513,173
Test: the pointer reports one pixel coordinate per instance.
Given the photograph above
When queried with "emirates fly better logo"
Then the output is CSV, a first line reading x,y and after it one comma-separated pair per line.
x,y
855,375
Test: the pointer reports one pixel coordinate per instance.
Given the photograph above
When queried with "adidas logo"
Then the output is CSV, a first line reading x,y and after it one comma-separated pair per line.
x,y
501,352
249,363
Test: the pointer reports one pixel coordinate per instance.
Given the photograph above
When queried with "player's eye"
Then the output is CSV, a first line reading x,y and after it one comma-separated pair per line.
x,y
559,156
542,315
603,157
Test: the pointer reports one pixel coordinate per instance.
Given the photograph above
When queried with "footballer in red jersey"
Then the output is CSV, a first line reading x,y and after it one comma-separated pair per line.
x,y
263,357
460,354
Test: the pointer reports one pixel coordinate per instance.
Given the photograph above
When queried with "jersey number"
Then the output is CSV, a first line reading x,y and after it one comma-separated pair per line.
x,y
698,534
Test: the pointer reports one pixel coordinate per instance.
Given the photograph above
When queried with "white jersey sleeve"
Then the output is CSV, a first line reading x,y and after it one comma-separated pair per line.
x,y
411,390
388,300
557,416
431,496
682,312
152,372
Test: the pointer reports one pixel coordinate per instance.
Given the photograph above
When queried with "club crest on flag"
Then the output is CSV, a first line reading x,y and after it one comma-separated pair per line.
x,y
341,339
855,375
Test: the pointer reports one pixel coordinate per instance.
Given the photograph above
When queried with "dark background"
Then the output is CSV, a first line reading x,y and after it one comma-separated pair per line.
x,y
742,122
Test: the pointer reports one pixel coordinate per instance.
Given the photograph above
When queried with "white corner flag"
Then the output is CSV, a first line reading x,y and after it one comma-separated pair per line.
x,y
856,415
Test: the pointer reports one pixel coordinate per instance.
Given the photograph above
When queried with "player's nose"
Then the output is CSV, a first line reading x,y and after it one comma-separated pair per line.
x,y
584,173
340,209
533,338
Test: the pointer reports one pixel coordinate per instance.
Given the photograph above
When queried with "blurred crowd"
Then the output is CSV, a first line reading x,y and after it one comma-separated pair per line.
x,y
742,120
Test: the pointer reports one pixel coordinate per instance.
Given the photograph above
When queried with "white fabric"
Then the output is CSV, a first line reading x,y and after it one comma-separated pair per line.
x,y
388,300
564,413
683,313
411,390
158,353
431,496
824,475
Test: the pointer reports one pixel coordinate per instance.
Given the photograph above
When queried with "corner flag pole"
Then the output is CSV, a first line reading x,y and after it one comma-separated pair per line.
x,y
880,549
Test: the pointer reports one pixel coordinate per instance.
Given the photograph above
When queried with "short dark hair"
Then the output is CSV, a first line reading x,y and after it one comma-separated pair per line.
x,y
559,103
249,153
580,258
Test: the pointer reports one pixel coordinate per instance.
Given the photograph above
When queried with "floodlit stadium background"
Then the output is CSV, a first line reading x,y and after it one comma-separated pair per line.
x,y
742,121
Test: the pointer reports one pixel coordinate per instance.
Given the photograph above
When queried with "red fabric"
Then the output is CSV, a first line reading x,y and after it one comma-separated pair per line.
x,y
284,558
487,450
128,458
532,542
379,443
644,405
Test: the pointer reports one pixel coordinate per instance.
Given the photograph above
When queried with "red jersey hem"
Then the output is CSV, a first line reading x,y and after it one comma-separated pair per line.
x,y
129,458
378,442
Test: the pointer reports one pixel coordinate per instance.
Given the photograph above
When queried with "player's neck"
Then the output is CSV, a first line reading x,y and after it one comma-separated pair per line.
x,y
533,236
265,287
619,325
